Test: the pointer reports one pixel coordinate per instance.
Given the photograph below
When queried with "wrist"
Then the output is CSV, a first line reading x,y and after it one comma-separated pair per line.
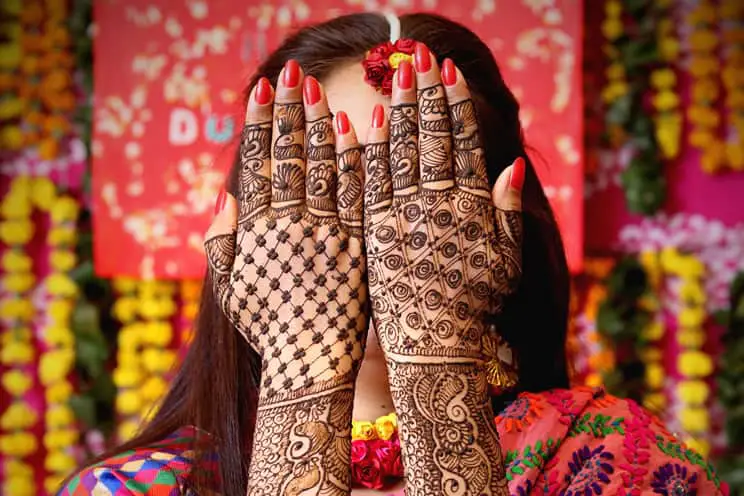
x,y
269,395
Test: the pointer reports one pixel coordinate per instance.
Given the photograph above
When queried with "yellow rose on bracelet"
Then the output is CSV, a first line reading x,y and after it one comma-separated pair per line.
x,y
386,426
362,430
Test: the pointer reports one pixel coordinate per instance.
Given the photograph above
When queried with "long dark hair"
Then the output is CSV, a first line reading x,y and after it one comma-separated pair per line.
x,y
216,386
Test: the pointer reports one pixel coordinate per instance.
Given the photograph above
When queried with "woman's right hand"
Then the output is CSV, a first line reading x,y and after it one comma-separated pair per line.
x,y
287,261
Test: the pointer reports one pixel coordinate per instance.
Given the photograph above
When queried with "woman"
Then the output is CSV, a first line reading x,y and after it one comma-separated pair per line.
x,y
420,219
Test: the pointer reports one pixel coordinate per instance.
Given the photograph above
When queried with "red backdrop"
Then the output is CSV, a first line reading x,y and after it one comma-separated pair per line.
x,y
168,80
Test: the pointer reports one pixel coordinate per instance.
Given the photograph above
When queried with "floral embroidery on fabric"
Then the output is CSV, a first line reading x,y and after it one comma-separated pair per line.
x,y
521,412
678,450
589,470
673,479
598,425
531,457
638,439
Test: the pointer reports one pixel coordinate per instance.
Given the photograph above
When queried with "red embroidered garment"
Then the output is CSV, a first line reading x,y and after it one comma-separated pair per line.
x,y
578,442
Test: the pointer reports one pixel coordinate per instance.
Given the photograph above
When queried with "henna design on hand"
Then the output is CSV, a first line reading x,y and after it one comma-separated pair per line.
x,y
435,142
255,152
404,148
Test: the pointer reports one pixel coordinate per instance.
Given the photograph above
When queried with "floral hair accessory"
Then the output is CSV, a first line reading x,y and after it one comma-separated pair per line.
x,y
381,62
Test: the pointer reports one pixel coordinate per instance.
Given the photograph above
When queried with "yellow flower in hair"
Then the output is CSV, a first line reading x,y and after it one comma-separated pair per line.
x,y
386,426
59,461
18,416
15,353
16,382
55,365
16,261
18,444
43,193
694,364
128,402
153,389
62,260
65,209
62,236
362,430
58,416
693,392
61,285
16,232
15,206
694,419
19,282
59,392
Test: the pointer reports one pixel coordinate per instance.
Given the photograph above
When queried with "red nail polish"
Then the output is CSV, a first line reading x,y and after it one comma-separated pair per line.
x,y
449,73
516,180
220,203
405,75
263,91
378,116
291,74
311,90
421,58
342,123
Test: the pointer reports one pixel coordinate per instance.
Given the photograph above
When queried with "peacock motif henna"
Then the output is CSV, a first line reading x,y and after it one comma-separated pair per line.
x,y
434,138
404,148
255,153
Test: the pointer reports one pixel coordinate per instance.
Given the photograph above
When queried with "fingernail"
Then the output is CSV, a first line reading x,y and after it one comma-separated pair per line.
x,y
516,180
263,91
311,90
405,75
220,203
449,73
378,116
291,74
421,58
342,123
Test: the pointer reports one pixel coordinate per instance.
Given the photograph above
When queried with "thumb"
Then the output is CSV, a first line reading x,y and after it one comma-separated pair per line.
x,y
219,243
507,192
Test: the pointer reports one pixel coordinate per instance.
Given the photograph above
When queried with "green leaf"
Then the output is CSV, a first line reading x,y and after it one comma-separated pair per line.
x,y
85,319
84,408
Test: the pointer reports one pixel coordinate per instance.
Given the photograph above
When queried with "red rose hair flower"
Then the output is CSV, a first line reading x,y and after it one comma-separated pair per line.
x,y
381,62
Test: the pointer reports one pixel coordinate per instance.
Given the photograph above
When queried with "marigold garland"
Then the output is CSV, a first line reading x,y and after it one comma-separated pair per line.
x,y
17,351
616,85
601,357
666,102
57,362
652,353
731,13
693,364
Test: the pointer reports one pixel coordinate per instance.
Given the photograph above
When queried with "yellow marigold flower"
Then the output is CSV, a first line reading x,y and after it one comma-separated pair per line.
x,y
11,138
714,157
62,260
654,376
16,382
649,302
693,392
705,91
154,288
59,439
158,361
129,337
616,70
59,392
663,78
128,402
15,206
615,90
158,333
731,9
18,416
20,486
650,355
735,99
191,289
16,261
703,40
612,28
694,364
16,468
153,389
656,402
386,426
701,66
702,14
613,8
125,285
19,282
692,317
43,193
125,377
703,116
669,48
735,155
691,338
694,419
157,308
190,310
654,330
700,446
55,365
362,430
65,209
62,236
60,311
665,101
60,336
60,461
18,444
702,138
732,76
125,309
61,285
127,429
10,56
668,136
22,310
53,482
16,232
21,185
16,334
58,416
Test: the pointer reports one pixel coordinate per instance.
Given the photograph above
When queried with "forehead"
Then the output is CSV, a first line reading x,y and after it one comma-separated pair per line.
x,y
346,90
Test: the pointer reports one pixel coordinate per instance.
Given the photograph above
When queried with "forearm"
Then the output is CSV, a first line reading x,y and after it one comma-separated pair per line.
x,y
302,441
448,439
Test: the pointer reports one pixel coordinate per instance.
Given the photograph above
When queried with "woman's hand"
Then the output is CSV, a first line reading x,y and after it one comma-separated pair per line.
x,y
441,258
288,265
